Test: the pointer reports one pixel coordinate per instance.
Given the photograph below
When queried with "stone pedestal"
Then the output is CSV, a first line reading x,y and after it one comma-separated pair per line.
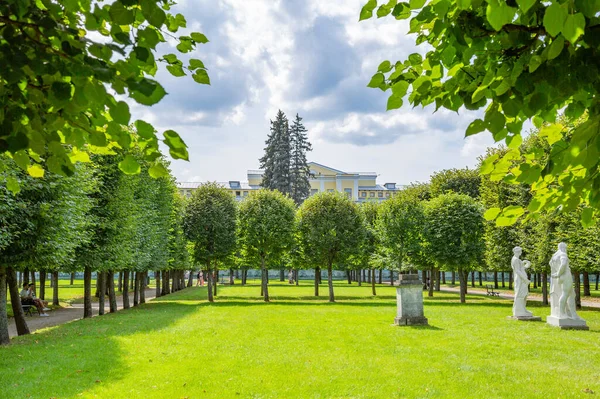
x,y
409,296
567,324
525,318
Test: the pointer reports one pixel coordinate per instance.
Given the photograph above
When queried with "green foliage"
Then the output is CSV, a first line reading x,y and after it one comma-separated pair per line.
x,y
277,159
454,231
210,224
460,181
330,228
518,60
369,254
58,82
266,227
299,170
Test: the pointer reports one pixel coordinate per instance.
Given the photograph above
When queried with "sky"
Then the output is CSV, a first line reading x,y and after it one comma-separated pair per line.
x,y
306,57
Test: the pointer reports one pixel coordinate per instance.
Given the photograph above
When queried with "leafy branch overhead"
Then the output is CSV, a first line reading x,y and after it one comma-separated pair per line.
x,y
518,60
62,88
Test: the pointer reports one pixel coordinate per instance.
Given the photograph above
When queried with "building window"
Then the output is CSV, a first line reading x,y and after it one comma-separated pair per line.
x,y
363,194
237,193
313,191
372,194
380,194
330,190
245,193
387,195
348,192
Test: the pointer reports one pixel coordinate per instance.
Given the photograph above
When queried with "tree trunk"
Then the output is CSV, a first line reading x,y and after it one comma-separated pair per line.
x,y
437,280
216,280
380,276
510,280
444,277
143,287
4,337
32,280
463,285
364,276
281,274
432,273
586,284
157,280
577,283
349,276
15,301
165,282
392,277
473,279
112,296
373,282
136,288
597,278
296,276
360,279
535,280
480,282
209,275
55,291
330,283
265,286
317,271
174,281
42,295
244,276
126,289
87,292
495,279
72,278
454,278
20,274
132,280
231,277
503,280
544,288
120,282
101,288
25,276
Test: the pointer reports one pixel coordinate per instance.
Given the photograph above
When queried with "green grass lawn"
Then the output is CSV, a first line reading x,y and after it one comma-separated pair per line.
x,y
297,346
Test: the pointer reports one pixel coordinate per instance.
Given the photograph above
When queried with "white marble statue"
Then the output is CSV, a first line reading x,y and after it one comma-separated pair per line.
x,y
562,294
521,283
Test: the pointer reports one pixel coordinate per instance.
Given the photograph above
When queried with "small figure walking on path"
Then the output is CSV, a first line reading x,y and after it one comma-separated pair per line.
x,y
200,279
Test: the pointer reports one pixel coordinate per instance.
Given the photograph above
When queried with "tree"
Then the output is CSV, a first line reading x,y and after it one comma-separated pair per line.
x,y
266,230
299,170
210,224
368,254
454,232
460,181
330,230
57,77
277,159
521,60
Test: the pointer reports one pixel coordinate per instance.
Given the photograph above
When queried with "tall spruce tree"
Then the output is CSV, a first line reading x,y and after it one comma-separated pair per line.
x,y
277,159
299,171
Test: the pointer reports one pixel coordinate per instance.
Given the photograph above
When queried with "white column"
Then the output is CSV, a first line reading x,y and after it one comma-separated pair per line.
x,y
322,185
338,184
355,191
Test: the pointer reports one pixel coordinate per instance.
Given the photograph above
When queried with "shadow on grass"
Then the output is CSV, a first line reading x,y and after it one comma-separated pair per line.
x,y
81,354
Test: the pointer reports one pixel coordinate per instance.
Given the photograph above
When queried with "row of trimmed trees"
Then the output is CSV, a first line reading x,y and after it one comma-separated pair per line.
x,y
97,220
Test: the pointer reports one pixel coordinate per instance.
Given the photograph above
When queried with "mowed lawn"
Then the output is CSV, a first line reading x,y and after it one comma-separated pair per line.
x,y
297,346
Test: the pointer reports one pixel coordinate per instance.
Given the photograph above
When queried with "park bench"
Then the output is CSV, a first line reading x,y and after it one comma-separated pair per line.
x,y
490,290
28,309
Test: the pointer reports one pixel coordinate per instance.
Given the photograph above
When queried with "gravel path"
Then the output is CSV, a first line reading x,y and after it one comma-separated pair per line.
x,y
65,315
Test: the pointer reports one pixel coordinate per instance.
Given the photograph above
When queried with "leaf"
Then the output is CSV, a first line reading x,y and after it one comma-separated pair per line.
x,y
384,67
153,14
463,4
129,165
553,133
177,147
587,219
119,14
574,27
495,121
158,170
61,90
145,129
415,59
514,141
415,4
394,102
120,113
147,92
176,70
12,184
556,47
195,64
198,37
554,19
171,58
525,5
499,14
475,127
400,88
35,170
201,76
491,213
367,11
534,63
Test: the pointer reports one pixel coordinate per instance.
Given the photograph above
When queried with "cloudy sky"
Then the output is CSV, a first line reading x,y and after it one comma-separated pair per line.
x,y
310,57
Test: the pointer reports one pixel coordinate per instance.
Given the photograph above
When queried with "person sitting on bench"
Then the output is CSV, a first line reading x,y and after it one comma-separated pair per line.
x,y
28,299
32,291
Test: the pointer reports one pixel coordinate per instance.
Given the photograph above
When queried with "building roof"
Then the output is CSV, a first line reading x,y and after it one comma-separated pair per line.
x,y
228,185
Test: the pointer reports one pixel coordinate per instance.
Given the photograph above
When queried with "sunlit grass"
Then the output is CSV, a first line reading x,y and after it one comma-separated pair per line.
x,y
301,347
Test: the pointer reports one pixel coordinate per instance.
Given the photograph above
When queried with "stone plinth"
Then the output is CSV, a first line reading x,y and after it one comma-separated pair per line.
x,y
525,318
567,324
409,296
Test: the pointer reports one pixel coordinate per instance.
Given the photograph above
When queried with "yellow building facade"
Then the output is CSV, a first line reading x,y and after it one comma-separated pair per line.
x,y
360,186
